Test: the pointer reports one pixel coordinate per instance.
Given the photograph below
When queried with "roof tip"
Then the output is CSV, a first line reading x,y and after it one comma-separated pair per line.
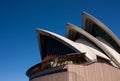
x,y
72,26
85,13
37,29
69,23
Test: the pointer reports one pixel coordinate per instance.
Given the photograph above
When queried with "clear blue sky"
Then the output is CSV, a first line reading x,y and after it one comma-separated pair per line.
x,y
20,18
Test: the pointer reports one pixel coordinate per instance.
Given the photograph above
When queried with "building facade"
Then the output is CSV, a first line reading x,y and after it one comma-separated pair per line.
x,y
88,54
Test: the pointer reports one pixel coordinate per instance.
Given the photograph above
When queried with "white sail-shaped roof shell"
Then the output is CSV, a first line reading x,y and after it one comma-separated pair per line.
x,y
112,51
87,45
102,26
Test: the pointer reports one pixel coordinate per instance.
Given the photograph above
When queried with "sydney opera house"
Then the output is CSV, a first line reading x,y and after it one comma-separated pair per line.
x,y
90,53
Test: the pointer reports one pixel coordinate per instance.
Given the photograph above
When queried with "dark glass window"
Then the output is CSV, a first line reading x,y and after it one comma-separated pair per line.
x,y
97,31
54,46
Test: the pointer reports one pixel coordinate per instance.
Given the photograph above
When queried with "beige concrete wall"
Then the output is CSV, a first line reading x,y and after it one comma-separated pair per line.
x,y
92,72
63,76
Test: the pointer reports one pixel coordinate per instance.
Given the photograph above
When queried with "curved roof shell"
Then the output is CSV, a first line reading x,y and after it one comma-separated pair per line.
x,y
41,39
98,29
74,33
101,32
